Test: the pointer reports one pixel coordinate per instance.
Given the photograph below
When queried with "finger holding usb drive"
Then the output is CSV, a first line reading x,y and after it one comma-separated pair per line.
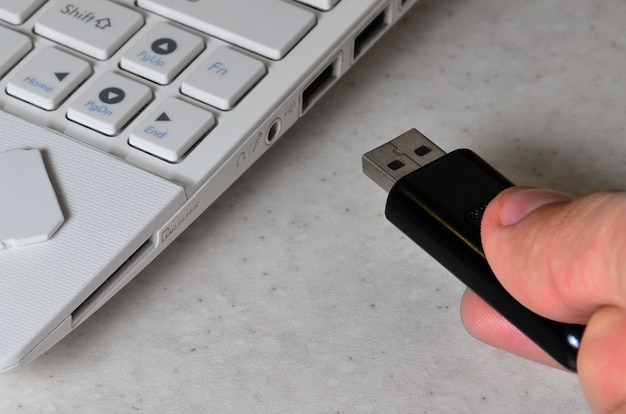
x,y
539,265
564,259
438,199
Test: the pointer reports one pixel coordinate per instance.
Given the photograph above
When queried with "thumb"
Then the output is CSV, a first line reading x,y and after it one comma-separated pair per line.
x,y
562,258
602,361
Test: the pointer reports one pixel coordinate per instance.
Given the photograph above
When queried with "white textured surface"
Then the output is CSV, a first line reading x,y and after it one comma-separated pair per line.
x,y
293,294
109,209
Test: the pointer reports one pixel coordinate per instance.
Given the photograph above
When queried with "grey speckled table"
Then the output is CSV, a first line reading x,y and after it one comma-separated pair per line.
x,y
293,294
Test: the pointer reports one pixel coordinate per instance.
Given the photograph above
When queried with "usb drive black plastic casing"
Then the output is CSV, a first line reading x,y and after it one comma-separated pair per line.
x,y
439,205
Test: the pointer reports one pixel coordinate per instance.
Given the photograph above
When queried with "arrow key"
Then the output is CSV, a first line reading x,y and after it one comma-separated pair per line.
x,y
162,53
109,103
172,129
49,78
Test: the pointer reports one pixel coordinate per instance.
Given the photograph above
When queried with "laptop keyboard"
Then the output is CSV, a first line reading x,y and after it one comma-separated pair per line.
x,y
74,68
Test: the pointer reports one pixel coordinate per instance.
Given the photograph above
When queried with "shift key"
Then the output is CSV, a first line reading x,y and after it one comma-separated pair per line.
x,y
95,28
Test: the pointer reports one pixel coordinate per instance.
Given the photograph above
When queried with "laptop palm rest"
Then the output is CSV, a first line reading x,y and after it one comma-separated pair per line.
x,y
111,210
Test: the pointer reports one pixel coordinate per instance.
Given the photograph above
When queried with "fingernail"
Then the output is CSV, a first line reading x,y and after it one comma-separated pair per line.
x,y
519,204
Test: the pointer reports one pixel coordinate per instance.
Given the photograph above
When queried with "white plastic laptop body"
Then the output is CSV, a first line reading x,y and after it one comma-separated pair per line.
x,y
122,121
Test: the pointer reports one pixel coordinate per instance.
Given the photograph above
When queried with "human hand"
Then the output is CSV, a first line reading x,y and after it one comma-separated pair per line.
x,y
565,259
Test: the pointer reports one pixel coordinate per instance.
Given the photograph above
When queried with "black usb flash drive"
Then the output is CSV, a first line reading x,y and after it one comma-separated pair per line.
x,y
437,200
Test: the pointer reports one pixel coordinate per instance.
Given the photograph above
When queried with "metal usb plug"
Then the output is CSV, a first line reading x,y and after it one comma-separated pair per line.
x,y
402,155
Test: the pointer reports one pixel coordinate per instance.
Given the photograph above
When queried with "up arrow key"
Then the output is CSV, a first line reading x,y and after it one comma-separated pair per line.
x,y
61,75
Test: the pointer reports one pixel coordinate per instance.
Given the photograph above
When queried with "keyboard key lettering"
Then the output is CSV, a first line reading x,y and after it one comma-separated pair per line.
x,y
224,78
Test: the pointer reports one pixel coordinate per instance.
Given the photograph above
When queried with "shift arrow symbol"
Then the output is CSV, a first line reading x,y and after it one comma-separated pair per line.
x,y
61,75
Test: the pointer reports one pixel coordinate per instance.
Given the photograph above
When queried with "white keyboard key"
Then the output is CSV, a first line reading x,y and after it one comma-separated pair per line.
x,y
224,78
172,129
162,53
96,28
49,78
320,4
13,47
17,12
270,28
109,103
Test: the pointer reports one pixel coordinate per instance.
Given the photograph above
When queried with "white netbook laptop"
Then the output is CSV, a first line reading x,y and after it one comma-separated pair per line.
x,y
122,121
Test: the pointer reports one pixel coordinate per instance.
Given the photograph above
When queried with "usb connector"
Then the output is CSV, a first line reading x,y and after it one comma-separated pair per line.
x,y
402,155
438,200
